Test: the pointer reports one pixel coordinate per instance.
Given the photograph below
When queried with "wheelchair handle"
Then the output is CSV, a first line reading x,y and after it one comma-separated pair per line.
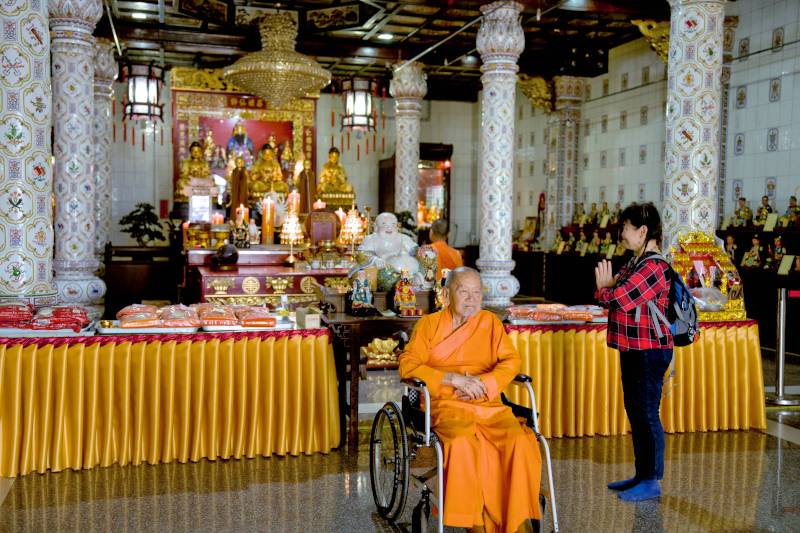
x,y
523,378
401,337
415,382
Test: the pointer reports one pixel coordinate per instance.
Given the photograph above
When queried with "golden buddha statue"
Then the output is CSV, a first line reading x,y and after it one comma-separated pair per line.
x,y
192,171
266,175
333,178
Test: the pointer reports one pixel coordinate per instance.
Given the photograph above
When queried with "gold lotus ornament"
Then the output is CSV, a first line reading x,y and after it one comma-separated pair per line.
x,y
278,73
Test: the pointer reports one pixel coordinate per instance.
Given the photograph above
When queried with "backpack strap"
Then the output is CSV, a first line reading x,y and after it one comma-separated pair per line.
x,y
658,318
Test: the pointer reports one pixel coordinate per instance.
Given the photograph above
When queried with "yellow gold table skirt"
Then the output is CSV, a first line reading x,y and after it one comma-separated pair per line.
x,y
120,400
718,382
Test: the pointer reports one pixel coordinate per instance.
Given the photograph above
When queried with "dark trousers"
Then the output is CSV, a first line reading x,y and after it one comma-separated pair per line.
x,y
642,379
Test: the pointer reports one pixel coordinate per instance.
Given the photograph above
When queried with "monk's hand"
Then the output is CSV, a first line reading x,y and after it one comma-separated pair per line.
x,y
467,387
603,276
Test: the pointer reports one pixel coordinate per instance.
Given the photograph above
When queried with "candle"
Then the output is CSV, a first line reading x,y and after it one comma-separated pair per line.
x,y
294,201
318,205
267,220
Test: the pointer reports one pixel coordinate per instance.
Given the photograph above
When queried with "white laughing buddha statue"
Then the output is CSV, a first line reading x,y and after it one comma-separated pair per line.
x,y
389,246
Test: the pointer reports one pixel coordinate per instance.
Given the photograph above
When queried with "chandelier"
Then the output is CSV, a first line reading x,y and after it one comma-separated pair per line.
x,y
277,73
144,91
358,112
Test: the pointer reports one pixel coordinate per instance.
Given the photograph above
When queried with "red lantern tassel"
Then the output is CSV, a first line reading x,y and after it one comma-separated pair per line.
x,y
383,120
348,141
383,146
124,132
366,146
358,152
162,136
333,119
114,119
133,135
374,141
142,140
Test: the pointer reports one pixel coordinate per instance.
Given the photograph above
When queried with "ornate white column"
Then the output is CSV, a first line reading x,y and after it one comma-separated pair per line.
x,y
562,153
500,41
71,26
26,179
105,72
408,88
693,117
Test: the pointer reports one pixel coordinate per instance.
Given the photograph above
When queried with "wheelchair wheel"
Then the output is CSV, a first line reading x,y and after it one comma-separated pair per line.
x,y
388,465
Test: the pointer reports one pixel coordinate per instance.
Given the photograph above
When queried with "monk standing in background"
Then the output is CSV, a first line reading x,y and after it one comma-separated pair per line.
x,y
492,466
446,257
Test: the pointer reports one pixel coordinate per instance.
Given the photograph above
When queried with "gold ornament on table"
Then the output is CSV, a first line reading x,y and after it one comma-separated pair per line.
x,y
278,73
291,234
380,352
352,230
698,246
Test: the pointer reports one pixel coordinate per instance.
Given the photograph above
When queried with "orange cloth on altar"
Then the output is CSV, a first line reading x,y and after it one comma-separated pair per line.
x,y
492,466
446,257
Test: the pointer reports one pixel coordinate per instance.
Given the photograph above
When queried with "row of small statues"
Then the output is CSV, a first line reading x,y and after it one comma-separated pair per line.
x,y
247,186
743,215
757,256
592,246
595,215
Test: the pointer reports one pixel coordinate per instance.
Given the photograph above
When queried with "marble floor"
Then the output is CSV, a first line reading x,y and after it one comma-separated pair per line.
x,y
718,482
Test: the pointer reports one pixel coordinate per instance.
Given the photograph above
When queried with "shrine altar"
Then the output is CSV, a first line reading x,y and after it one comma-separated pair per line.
x,y
82,402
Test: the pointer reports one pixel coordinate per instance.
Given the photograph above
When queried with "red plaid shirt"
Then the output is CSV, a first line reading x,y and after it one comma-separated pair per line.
x,y
637,283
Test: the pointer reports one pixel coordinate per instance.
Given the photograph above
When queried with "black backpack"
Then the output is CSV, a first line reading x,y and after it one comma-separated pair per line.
x,y
681,319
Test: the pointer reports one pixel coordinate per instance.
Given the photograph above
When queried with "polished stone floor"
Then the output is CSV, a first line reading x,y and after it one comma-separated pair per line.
x,y
717,482
722,482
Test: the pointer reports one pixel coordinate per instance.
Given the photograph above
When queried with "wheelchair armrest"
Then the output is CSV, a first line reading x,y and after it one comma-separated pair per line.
x,y
415,382
523,378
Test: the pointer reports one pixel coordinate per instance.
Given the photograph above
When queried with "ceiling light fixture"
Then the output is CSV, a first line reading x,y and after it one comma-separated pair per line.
x,y
138,15
385,36
277,73
143,100
358,112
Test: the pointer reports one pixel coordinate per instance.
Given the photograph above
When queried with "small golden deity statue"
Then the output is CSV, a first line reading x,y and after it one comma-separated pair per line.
x,y
193,170
266,175
332,186
287,158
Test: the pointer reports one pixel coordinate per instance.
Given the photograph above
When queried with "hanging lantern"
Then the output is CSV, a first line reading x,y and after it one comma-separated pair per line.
x,y
357,94
144,92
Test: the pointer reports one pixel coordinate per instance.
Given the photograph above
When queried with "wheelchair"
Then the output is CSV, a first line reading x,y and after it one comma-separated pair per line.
x,y
399,432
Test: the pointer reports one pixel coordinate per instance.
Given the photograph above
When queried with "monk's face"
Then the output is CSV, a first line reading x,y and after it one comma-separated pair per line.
x,y
465,295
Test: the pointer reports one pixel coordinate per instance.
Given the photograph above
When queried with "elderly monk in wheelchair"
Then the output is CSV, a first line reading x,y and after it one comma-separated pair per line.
x,y
492,464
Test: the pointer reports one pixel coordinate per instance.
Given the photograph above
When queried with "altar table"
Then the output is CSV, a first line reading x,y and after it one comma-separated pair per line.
x,y
86,401
718,382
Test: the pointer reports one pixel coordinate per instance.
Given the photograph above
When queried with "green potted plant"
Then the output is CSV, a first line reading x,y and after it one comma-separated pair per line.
x,y
143,225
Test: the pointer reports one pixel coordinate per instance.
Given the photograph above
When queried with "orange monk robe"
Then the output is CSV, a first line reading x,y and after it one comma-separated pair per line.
x,y
492,465
446,257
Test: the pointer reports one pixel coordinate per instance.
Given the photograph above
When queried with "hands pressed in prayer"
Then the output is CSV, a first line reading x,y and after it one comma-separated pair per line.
x,y
603,275
467,388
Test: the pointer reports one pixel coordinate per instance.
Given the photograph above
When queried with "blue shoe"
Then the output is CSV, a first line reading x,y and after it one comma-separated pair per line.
x,y
646,489
624,484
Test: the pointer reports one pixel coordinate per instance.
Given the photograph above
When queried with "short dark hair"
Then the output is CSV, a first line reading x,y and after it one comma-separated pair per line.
x,y
440,228
644,214
195,143
267,146
742,199
333,150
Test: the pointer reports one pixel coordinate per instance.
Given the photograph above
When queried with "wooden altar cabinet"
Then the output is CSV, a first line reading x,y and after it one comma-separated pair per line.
x,y
259,278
